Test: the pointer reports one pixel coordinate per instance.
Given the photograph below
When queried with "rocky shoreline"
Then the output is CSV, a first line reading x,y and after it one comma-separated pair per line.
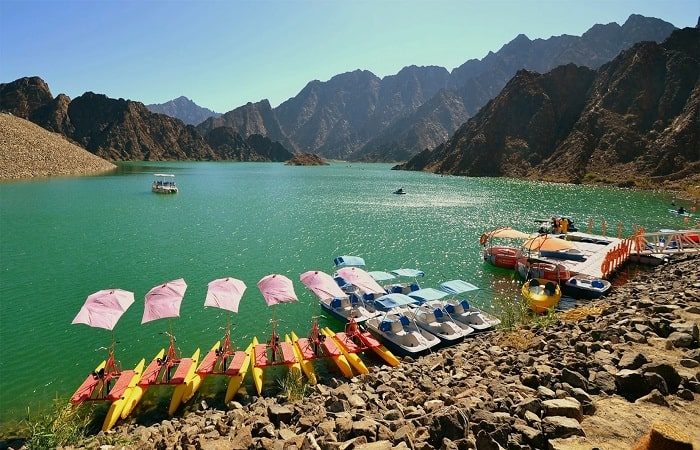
x,y
596,378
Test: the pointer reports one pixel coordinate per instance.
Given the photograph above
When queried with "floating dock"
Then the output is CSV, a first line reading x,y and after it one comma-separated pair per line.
x,y
595,248
605,254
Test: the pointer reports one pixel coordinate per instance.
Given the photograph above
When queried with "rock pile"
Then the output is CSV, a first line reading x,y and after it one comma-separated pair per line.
x,y
483,393
27,151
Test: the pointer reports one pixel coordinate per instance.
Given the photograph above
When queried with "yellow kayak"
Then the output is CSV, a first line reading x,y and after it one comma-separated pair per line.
x,y
540,294
137,391
295,368
115,410
237,380
197,379
181,388
352,358
386,355
306,365
257,371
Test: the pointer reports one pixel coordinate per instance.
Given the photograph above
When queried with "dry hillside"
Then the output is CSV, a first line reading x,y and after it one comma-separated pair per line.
x,y
27,151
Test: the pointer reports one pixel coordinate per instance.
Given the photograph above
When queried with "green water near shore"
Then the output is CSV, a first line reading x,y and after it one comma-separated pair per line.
x,y
64,238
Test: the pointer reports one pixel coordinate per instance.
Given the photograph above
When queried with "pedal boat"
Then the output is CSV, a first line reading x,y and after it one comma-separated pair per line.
x,y
166,369
586,286
223,360
96,388
435,320
540,294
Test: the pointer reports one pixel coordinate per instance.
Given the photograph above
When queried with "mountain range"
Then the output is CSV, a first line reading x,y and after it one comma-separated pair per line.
x,y
184,109
118,129
634,121
359,116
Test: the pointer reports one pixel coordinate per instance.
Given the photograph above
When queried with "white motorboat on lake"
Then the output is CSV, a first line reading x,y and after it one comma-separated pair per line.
x,y
164,183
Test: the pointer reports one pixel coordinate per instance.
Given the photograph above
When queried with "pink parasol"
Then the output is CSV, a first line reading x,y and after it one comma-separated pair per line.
x,y
322,284
361,279
104,308
225,293
164,300
277,289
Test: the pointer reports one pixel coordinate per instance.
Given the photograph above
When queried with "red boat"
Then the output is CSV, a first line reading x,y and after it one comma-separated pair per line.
x,y
504,257
533,268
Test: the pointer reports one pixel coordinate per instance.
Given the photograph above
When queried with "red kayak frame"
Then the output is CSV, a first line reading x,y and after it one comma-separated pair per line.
x,y
355,339
274,352
159,371
317,345
225,360
96,386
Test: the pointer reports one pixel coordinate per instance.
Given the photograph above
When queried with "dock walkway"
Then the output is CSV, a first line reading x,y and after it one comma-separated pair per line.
x,y
596,248
593,247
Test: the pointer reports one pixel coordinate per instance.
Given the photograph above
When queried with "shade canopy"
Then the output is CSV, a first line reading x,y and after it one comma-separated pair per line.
x,y
502,233
427,294
378,275
321,284
349,261
164,300
548,244
225,293
276,289
413,273
361,279
389,301
457,287
104,308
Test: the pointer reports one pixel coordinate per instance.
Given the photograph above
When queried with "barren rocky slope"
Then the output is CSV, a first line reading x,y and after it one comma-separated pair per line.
x,y
638,115
28,151
359,116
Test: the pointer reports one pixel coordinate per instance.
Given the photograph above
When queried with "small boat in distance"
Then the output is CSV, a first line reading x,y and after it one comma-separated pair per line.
x,y
399,191
164,183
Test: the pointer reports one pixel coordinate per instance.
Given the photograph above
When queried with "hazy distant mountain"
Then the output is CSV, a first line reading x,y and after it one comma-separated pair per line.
x,y
119,129
357,115
184,109
635,118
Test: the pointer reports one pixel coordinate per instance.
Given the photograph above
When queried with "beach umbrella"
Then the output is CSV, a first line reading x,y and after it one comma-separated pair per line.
x,y
104,308
547,244
321,284
225,293
361,279
164,300
277,289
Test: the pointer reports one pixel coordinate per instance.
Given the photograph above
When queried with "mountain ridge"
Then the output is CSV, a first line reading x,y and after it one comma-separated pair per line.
x,y
634,120
357,115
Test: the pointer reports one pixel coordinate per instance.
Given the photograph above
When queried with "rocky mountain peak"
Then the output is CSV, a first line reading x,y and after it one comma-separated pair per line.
x,y
184,109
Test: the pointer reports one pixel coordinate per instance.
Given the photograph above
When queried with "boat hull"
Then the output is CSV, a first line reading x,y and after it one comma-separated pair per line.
x,y
586,287
541,269
503,257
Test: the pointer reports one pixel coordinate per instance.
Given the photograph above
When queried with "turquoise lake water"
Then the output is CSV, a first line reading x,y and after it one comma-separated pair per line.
x,y
65,238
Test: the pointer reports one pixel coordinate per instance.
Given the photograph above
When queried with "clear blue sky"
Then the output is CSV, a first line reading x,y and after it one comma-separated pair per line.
x,y
223,54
